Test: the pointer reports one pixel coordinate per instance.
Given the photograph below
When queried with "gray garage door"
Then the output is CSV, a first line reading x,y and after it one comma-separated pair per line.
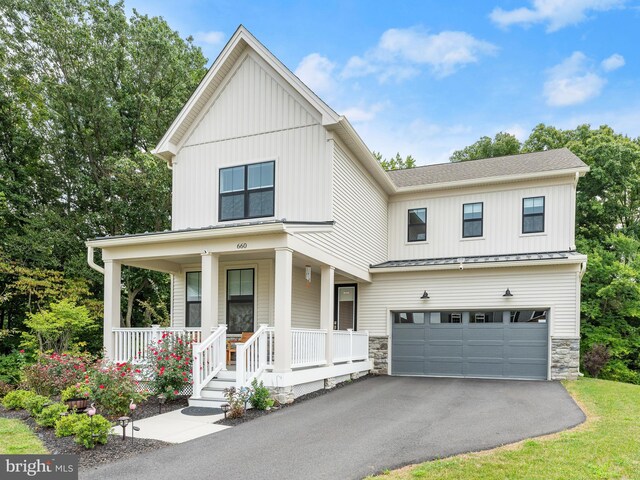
x,y
494,344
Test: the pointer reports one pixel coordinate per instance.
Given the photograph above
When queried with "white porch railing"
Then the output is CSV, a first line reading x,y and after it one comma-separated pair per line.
x,y
209,358
131,344
349,346
252,356
308,347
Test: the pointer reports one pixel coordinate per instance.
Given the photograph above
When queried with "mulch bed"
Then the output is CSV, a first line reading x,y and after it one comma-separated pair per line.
x,y
115,449
252,413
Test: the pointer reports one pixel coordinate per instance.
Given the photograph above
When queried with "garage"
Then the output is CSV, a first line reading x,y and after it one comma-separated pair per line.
x,y
488,343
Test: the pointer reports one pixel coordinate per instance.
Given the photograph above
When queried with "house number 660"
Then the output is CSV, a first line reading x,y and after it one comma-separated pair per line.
x,y
241,246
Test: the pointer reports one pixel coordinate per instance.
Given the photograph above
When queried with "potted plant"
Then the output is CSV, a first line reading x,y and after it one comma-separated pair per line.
x,y
76,396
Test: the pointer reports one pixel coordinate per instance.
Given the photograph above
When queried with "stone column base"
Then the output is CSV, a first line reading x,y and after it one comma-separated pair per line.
x,y
379,354
282,395
329,383
565,358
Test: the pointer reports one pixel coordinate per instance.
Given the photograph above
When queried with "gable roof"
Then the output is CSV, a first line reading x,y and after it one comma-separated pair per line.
x,y
525,165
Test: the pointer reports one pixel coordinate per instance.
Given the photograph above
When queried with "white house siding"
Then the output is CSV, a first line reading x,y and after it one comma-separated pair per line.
x,y
305,304
502,226
359,212
554,287
255,116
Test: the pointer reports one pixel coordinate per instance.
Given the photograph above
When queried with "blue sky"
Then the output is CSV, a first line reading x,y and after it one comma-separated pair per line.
x,y
428,77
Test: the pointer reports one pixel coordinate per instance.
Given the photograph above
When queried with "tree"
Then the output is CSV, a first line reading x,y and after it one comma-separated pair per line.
x,y
502,144
395,163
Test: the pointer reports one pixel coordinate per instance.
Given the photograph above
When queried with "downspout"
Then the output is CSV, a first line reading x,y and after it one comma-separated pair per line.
x,y
91,261
583,269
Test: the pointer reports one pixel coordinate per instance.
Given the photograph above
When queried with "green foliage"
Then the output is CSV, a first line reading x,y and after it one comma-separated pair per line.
x,y
113,386
595,359
170,364
51,414
52,373
502,144
92,430
65,426
11,367
16,399
58,329
34,403
76,391
5,388
260,399
395,163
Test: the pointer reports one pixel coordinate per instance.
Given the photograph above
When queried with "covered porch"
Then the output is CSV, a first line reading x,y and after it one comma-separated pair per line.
x,y
272,286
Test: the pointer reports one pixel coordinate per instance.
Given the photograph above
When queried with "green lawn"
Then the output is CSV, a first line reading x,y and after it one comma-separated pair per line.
x,y
17,438
607,446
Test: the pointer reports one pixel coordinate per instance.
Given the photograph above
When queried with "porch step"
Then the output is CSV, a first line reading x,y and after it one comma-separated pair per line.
x,y
206,402
212,395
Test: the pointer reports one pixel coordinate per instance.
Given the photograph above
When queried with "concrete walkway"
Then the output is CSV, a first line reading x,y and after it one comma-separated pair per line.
x,y
364,428
175,426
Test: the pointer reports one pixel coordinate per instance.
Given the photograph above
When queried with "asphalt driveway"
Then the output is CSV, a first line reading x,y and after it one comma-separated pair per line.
x,y
364,428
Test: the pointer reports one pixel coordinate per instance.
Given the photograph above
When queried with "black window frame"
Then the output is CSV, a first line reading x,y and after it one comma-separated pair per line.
x,y
465,221
240,298
409,225
188,302
525,215
246,191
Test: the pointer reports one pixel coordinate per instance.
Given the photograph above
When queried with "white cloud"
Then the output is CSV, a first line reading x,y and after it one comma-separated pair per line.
x,y
316,72
573,81
555,13
400,53
210,38
362,114
516,130
613,62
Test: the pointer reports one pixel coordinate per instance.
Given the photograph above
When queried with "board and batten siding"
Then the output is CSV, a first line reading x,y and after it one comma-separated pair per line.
x,y
553,287
502,225
359,208
254,116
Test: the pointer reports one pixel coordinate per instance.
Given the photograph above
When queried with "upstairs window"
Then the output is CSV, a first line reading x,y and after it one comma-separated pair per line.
x,y
247,191
417,225
533,215
472,220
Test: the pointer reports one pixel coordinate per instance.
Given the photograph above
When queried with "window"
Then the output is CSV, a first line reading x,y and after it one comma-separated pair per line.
x,y
533,215
194,298
417,225
240,300
246,191
409,317
472,220
529,316
485,317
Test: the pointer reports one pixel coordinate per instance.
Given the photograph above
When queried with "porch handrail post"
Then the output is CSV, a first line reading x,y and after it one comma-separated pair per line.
x,y
262,354
350,330
327,281
240,365
197,372
155,333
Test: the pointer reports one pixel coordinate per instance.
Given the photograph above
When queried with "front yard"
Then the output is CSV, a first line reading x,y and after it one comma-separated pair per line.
x,y
606,446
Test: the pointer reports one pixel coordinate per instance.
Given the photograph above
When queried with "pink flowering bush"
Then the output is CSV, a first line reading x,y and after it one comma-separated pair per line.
x,y
54,372
170,364
113,386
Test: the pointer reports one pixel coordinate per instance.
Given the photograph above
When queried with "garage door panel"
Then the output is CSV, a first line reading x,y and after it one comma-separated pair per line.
x,y
445,366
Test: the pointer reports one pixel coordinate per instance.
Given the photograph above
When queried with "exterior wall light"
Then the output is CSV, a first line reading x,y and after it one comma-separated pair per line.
x,y
425,295
508,293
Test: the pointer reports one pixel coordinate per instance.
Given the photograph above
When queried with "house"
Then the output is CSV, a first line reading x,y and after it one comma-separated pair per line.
x,y
286,226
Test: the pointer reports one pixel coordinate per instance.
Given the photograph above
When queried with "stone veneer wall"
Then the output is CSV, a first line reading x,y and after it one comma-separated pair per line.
x,y
565,358
379,355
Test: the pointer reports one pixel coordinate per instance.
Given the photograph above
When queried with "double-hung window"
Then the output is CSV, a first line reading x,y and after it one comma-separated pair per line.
x,y
240,300
417,225
533,215
247,191
472,214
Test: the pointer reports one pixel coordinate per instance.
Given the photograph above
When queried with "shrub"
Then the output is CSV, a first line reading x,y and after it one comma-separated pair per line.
x,y
92,430
11,366
5,388
618,371
66,425
261,397
237,399
51,414
34,403
77,391
595,359
53,373
15,400
170,364
113,386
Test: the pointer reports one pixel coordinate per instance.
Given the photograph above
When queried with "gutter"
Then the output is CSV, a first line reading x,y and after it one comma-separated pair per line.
x,y
91,261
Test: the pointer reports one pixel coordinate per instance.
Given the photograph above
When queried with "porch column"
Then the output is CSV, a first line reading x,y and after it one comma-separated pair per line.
x,y
112,313
209,301
282,321
327,274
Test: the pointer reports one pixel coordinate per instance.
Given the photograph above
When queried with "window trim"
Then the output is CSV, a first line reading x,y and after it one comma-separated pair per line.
x,y
226,295
186,298
473,220
544,211
246,191
426,219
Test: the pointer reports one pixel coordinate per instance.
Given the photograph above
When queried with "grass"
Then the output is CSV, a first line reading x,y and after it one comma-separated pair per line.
x,y
17,438
606,446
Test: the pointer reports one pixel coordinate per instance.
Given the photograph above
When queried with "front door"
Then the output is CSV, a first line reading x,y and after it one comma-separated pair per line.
x,y
346,307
